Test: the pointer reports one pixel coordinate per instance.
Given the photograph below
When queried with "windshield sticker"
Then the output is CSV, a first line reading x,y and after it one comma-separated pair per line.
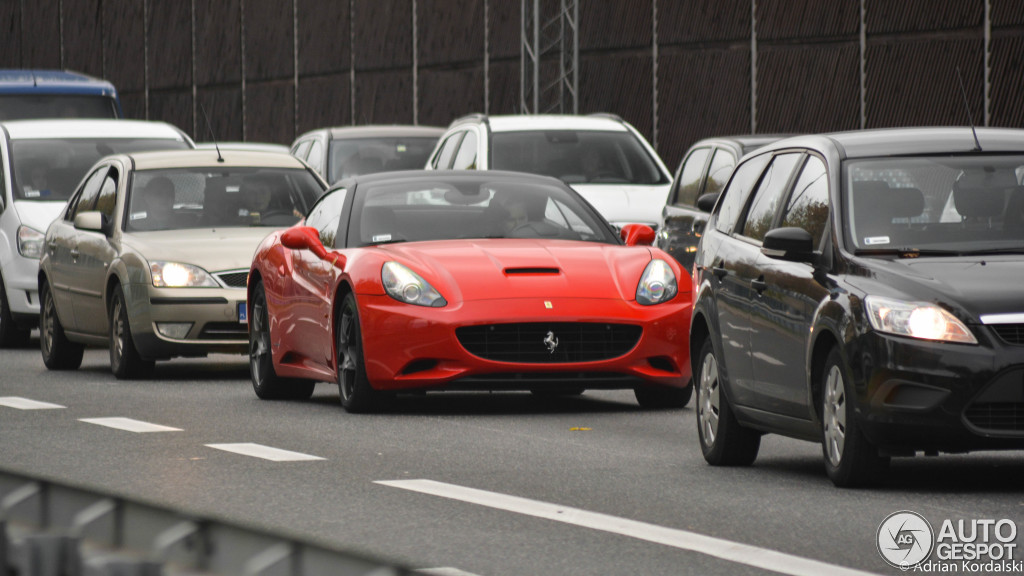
x,y
232,189
876,240
243,212
381,237
32,194
138,216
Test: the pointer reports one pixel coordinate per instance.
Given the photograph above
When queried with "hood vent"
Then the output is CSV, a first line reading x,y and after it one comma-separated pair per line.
x,y
511,271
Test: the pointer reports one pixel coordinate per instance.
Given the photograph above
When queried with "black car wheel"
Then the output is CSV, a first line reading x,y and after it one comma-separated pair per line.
x,y
353,385
723,440
664,397
59,353
850,459
125,362
11,335
265,381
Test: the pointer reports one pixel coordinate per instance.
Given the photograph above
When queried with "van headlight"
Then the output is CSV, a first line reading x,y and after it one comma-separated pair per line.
x,y
657,285
917,320
404,285
178,275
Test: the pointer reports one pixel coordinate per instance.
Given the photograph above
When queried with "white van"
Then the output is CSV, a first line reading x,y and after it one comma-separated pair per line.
x,y
41,164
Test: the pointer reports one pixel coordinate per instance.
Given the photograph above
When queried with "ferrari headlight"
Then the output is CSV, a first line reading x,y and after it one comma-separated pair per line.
x,y
30,242
406,286
657,285
178,275
916,320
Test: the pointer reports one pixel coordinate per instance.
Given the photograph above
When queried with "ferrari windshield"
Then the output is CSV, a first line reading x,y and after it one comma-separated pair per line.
x,y
355,156
49,169
218,198
576,156
944,205
472,208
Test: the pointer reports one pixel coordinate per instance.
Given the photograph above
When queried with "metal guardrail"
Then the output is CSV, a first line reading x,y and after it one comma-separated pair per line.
x,y
51,529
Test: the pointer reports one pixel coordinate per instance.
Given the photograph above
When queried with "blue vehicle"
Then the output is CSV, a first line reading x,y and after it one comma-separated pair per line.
x,y
31,94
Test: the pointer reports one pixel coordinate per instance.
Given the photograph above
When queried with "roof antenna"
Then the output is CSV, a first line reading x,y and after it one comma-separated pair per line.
x,y
977,144
214,138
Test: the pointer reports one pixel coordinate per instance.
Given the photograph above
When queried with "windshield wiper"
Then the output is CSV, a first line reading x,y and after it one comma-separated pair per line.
x,y
983,251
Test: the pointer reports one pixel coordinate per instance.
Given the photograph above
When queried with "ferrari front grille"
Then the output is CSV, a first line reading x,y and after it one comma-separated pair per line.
x,y
549,342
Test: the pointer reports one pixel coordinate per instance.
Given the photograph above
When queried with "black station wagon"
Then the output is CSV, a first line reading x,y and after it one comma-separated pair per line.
x,y
864,290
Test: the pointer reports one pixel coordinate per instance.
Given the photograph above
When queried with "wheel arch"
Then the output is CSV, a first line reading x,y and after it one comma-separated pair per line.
x,y
342,290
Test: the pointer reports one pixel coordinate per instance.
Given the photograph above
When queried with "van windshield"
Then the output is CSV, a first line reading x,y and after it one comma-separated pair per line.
x,y
33,106
49,169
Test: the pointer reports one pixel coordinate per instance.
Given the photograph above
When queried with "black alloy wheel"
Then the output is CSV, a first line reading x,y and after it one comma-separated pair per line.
x,y
11,335
265,381
125,361
357,395
59,353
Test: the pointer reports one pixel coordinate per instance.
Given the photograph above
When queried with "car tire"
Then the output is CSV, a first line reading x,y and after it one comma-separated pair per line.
x,y
723,440
357,395
265,381
125,361
663,398
850,459
59,353
11,335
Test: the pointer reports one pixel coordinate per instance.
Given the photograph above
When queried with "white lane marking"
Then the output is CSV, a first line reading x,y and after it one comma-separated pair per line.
x,y
265,452
445,571
129,424
739,553
26,404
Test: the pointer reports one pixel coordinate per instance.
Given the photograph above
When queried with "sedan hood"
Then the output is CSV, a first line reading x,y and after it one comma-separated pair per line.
x,y
213,250
978,285
512,268
38,215
625,203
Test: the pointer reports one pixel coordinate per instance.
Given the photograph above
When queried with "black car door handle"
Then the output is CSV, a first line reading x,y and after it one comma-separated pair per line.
x,y
719,272
75,252
759,285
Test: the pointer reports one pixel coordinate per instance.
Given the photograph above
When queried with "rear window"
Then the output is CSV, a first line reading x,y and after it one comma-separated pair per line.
x,y
50,169
31,106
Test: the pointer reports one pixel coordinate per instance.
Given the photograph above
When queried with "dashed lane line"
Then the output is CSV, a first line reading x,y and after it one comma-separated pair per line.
x,y
27,404
737,552
129,424
265,452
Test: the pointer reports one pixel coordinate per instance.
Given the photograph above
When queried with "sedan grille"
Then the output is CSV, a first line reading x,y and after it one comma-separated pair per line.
x,y
1001,416
544,342
234,279
224,331
1010,333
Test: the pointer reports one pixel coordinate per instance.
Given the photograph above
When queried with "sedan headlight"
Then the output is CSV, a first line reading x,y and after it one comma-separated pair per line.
x,y
30,242
916,320
657,285
178,275
406,286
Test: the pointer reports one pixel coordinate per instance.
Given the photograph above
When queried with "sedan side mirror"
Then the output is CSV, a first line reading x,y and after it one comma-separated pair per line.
x,y
637,234
308,238
793,244
706,202
90,221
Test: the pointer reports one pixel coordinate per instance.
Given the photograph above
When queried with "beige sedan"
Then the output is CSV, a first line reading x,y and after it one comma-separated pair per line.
x,y
151,254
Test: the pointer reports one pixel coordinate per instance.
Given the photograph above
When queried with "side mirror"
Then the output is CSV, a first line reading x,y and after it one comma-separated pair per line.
x,y
637,234
308,238
91,221
706,202
793,244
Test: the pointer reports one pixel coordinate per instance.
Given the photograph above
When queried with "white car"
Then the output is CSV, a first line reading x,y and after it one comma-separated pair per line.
x,y
42,162
601,156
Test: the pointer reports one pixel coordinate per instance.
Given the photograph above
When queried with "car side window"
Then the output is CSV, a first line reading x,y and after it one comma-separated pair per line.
x,y
326,216
737,192
689,178
808,205
86,198
769,195
444,156
107,198
721,167
465,159
316,157
300,149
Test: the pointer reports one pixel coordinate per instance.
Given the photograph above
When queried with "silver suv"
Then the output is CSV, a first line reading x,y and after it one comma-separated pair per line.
x,y
600,156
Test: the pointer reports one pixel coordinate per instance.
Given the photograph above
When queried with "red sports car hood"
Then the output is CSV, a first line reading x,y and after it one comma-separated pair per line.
x,y
505,268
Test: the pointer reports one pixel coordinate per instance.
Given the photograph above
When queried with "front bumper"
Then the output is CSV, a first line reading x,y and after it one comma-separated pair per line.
x,y
213,315
21,281
918,395
413,347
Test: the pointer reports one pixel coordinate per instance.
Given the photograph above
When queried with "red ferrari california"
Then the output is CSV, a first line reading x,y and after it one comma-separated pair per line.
x,y
422,281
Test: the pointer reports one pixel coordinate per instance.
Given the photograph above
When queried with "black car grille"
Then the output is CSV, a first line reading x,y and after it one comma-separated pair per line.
x,y
224,331
1010,333
535,343
234,279
1002,416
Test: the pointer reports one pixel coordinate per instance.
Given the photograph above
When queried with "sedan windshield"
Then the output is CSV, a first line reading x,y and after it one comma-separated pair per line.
x,y
576,156
967,204
356,156
219,198
472,208
50,169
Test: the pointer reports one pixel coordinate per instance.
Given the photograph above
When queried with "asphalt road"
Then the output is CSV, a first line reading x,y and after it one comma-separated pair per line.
x,y
598,486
